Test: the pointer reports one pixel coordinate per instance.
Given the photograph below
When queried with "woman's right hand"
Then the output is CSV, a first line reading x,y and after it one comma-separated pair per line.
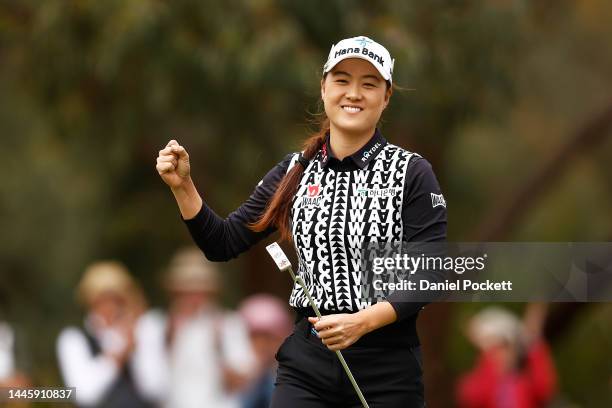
x,y
173,165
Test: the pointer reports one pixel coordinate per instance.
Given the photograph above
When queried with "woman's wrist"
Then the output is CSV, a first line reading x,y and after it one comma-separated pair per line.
x,y
365,322
188,199
376,316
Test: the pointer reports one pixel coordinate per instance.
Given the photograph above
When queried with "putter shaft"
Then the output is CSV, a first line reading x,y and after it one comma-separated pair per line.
x,y
347,370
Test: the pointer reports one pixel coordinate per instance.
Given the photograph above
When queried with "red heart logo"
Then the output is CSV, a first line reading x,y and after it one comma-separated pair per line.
x,y
313,190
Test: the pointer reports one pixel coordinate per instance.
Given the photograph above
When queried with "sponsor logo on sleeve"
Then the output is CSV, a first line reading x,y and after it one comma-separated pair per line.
x,y
437,200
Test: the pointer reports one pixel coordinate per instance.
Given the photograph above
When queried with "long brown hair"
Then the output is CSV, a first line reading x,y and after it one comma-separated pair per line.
x,y
279,207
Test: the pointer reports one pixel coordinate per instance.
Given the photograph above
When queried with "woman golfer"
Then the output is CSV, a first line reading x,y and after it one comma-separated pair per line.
x,y
349,186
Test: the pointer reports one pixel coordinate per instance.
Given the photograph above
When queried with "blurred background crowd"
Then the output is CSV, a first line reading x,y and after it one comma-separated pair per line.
x,y
197,353
508,99
194,354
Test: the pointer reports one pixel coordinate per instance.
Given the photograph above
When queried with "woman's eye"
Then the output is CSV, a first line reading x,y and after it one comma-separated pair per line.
x,y
369,85
341,81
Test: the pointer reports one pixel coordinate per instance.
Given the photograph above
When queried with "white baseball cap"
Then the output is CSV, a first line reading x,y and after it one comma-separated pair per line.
x,y
364,48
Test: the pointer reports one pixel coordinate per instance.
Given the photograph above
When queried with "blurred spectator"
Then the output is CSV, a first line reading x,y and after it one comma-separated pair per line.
x,y
7,359
199,354
96,359
515,369
9,375
268,323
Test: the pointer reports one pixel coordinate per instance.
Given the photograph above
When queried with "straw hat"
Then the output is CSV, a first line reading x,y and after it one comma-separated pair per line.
x,y
190,271
105,277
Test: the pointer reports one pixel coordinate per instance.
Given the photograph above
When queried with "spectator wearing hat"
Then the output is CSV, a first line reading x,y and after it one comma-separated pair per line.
x,y
198,354
97,358
515,368
268,323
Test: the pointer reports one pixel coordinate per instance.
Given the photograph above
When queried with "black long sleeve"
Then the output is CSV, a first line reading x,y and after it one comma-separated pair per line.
x,y
423,222
223,239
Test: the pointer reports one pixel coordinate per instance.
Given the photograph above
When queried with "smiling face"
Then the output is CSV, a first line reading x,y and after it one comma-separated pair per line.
x,y
355,95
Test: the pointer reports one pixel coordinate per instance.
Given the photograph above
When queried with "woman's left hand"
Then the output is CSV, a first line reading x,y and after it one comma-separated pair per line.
x,y
338,331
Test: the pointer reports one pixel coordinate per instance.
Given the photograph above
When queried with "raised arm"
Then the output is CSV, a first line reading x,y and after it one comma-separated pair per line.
x,y
174,168
220,239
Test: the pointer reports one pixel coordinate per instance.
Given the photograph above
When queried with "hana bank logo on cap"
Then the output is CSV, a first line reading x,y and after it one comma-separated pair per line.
x,y
364,48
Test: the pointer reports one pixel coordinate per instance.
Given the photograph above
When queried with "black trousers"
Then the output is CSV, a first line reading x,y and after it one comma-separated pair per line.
x,y
311,376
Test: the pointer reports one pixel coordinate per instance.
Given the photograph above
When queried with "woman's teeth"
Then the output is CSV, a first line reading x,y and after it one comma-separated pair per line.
x,y
351,109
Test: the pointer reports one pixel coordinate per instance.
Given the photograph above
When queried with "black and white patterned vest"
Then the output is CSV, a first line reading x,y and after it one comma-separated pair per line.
x,y
334,213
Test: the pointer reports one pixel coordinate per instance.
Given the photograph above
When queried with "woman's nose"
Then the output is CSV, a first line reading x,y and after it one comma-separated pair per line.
x,y
353,92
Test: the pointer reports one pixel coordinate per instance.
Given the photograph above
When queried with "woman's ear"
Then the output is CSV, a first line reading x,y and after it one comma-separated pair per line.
x,y
388,94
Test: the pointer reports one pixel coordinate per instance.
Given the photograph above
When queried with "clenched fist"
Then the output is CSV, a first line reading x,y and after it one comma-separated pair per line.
x,y
173,165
